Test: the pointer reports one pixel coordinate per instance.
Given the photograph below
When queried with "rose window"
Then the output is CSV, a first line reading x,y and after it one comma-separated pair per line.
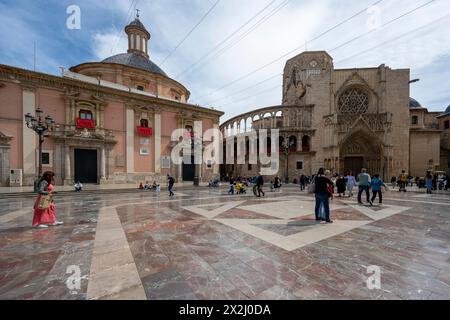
x,y
353,101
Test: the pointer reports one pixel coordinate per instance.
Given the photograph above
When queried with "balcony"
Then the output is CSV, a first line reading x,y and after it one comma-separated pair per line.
x,y
85,123
144,131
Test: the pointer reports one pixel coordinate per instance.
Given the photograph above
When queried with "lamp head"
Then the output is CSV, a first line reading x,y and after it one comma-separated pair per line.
x,y
39,112
48,120
28,117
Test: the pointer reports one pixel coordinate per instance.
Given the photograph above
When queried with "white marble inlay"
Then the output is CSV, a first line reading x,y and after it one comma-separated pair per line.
x,y
113,270
287,210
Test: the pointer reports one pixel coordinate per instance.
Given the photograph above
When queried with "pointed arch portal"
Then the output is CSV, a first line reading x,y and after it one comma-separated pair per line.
x,y
362,150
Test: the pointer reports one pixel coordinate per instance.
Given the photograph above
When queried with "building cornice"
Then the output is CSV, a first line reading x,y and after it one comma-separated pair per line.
x,y
32,79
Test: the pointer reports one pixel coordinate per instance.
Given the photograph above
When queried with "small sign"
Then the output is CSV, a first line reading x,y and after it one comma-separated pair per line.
x,y
144,151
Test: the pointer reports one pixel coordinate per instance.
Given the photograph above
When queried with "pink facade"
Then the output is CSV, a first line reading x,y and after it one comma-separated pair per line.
x,y
115,96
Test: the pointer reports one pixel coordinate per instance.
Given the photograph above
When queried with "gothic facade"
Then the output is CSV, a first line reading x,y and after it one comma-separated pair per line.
x,y
344,120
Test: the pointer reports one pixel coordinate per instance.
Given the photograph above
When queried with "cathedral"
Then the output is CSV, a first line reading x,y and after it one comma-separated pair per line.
x,y
113,121
345,120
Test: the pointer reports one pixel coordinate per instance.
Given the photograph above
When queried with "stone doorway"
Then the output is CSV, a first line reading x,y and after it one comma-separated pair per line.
x,y
86,166
362,150
188,169
353,164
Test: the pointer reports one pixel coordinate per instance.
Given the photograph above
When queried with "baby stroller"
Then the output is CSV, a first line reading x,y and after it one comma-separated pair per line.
x,y
214,184
240,189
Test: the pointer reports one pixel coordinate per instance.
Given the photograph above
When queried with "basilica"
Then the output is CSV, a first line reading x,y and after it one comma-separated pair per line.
x,y
345,120
113,121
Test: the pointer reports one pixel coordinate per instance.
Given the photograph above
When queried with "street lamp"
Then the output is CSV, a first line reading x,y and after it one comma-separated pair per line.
x,y
285,148
40,127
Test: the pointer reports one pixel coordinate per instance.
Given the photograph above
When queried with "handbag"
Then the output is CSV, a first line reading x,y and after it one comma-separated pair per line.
x,y
312,187
45,202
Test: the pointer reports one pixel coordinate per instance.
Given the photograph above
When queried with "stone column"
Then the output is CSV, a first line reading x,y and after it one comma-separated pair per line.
x,y
4,165
102,165
157,133
130,140
216,167
67,171
29,144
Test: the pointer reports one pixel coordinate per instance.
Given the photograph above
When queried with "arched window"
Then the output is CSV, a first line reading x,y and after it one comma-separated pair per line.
x,y
138,41
269,145
281,144
292,144
144,123
414,120
132,46
306,144
353,101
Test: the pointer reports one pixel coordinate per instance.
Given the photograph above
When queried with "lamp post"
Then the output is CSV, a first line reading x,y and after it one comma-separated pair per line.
x,y
286,153
40,126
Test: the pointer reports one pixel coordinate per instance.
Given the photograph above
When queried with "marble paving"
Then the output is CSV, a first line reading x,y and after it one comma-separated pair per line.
x,y
205,244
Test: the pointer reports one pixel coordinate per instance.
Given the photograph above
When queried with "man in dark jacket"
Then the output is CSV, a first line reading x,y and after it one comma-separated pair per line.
x,y
322,195
260,184
171,182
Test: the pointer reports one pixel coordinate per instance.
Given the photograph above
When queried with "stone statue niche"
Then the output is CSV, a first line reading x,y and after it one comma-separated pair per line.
x,y
294,89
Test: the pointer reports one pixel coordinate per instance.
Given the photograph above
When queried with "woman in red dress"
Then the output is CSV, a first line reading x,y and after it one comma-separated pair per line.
x,y
45,217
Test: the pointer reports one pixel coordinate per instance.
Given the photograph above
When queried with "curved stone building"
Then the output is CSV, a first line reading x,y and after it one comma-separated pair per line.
x,y
114,120
345,120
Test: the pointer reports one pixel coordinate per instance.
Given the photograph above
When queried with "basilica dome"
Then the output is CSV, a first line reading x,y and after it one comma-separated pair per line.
x,y
134,69
447,111
413,103
135,60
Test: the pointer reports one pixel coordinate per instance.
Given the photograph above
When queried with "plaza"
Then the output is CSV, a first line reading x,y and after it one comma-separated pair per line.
x,y
109,105
205,244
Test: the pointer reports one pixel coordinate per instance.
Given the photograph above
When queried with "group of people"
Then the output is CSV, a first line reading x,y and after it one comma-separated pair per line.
x,y
150,187
157,187
275,185
431,181
239,185
323,186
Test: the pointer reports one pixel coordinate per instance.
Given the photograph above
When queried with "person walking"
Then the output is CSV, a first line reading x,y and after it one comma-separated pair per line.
x,y
260,184
277,184
341,186
403,181
376,185
231,188
302,182
364,186
322,195
44,207
394,182
429,182
171,182
351,183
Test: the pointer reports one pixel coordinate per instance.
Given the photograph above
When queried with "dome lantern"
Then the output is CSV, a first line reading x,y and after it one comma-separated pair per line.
x,y
138,37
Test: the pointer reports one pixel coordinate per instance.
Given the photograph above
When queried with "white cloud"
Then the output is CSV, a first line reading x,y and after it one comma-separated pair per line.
x,y
169,20
105,45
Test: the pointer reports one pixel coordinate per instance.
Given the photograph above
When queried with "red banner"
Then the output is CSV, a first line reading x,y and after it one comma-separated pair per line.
x,y
145,132
85,124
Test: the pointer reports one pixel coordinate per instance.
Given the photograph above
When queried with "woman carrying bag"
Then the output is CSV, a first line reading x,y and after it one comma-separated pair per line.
x,y
44,208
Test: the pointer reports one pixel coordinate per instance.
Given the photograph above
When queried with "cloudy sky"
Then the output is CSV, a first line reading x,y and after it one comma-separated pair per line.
x,y
234,59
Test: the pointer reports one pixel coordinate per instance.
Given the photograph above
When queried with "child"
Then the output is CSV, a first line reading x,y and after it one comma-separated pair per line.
x,y
231,190
376,185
